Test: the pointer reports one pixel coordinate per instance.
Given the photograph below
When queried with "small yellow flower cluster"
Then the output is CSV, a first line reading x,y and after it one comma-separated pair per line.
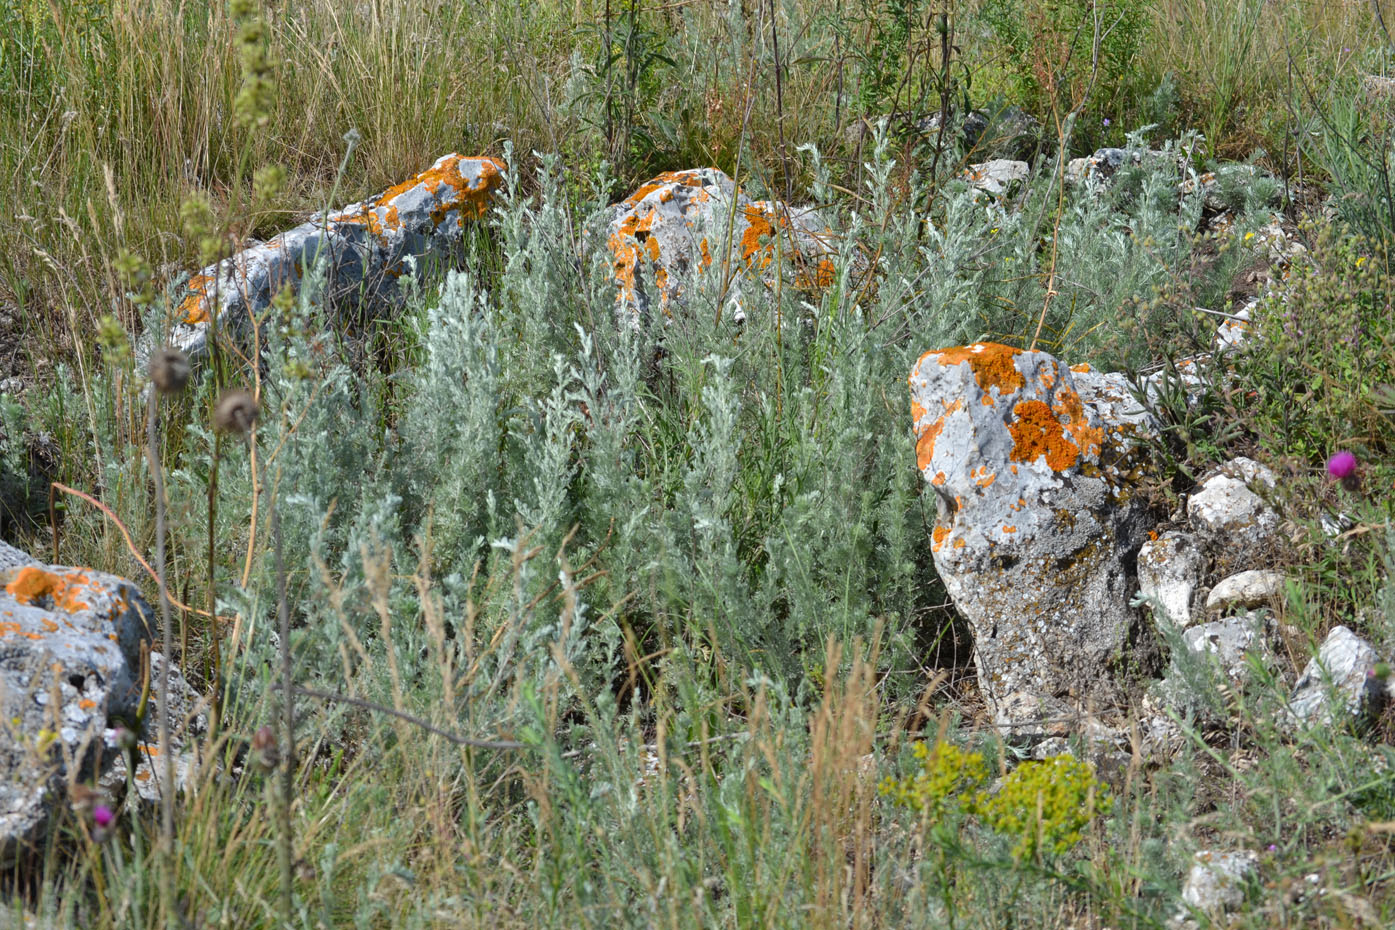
x,y
948,776
1046,805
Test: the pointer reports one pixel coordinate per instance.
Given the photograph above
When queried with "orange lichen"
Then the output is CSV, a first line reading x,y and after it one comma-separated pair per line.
x,y
195,305
33,583
87,704
1007,528
959,543
758,227
992,364
1036,432
9,626
624,245
940,534
939,479
1082,369
706,252
1070,410
692,178
925,438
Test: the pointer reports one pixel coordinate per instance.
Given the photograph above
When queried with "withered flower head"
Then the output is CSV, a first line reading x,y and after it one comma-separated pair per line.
x,y
169,370
235,412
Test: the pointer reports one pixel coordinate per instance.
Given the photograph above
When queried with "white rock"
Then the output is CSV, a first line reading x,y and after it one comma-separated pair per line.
x,y
1034,529
1230,517
1169,570
1254,588
996,176
1216,882
1229,642
1343,672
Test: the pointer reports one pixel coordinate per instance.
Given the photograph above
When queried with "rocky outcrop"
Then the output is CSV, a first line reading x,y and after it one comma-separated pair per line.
x,y
1036,528
680,223
366,247
70,648
74,662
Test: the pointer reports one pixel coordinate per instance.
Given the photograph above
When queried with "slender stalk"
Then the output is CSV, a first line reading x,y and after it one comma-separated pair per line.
x,y
166,751
284,846
214,671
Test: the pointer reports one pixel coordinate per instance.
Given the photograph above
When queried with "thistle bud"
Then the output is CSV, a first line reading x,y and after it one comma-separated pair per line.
x,y
169,371
235,412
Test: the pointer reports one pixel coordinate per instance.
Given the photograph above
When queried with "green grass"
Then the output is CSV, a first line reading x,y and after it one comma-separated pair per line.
x,y
686,567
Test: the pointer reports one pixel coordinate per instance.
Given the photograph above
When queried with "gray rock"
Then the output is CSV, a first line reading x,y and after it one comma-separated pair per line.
x,y
1215,884
1101,166
1012,133
1035,527
1254,588
364,246
680,223
1228,642
996,177
1340,682
1169,570
1233,520
10,557
70,642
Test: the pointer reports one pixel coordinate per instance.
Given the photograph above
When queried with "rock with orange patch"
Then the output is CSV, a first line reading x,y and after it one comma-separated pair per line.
x,y
365,248
684,223
70,645
1036,525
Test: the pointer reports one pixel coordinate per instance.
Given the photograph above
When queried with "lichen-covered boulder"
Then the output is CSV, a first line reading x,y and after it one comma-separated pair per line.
x,y
364,246
683,222
70,645
1036,528
1340,682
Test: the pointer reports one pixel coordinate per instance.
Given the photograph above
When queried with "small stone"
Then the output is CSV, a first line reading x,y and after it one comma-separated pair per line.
x,y
1234,521
1169,570
1344,672
996,177
1252,588
12,386
1216,882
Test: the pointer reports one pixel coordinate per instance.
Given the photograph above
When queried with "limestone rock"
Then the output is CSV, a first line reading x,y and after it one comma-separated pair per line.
x,y
1101,166
1229,642
1231,517
1216,883
1340,682
996,177
1169,570
70,643
1247,589
1035,530
1012,133
680,223
365,247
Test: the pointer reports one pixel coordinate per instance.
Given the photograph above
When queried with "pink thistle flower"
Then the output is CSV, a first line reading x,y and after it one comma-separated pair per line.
x,y
1341,466
103,816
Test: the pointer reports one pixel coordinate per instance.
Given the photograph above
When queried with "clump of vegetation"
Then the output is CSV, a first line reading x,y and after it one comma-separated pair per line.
x,y
594,623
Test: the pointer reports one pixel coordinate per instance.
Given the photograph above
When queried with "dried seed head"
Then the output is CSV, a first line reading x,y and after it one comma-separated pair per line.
x,y
266,754
235,413
169,370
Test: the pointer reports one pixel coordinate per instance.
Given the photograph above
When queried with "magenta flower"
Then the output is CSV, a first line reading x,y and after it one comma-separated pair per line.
x,y
103,816
1341,466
